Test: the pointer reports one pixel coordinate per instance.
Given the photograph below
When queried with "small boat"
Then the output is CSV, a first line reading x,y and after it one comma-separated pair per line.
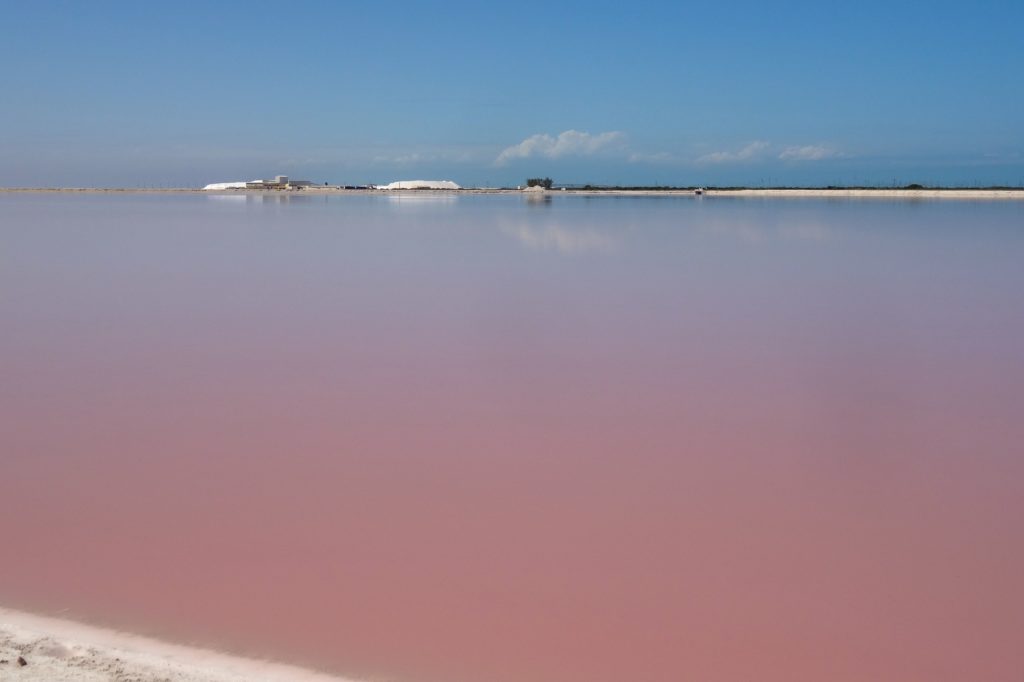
x,y
699,191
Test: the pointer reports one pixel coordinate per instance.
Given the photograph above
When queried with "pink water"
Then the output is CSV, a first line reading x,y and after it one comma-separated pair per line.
x,y
490,440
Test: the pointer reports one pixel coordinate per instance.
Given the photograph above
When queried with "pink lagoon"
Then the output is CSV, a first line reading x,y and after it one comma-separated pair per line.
x,y
477,438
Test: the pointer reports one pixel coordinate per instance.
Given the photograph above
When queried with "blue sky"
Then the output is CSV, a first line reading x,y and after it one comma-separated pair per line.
x,y
180,94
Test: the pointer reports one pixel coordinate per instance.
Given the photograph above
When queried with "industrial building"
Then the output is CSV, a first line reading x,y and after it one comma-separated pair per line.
x,y
279,182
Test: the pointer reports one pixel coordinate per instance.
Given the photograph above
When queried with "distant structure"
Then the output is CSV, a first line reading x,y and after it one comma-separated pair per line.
x,y
419,184
279,182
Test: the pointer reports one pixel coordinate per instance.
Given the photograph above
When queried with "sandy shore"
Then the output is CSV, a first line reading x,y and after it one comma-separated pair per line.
x,y
39,649
911,194
876,193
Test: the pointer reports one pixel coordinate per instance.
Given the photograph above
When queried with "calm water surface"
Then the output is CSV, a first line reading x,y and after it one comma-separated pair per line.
x,y
490,440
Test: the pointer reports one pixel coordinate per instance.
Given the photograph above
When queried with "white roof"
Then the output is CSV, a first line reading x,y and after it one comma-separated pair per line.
x,y
213,186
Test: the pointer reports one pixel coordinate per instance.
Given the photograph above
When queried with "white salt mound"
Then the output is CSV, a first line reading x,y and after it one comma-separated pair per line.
x,y
421,184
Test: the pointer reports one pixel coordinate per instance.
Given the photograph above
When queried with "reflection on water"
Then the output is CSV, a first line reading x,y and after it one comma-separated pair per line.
x,y
615,439
557,238
233,198
419,198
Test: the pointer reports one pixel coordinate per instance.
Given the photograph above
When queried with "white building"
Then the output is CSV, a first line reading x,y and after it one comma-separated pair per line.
x,y
279,182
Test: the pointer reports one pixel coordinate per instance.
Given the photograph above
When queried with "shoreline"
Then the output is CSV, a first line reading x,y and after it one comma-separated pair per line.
x,y
909,194
55,649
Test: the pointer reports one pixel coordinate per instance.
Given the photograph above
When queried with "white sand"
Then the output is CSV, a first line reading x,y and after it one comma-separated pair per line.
x,y
63,651
876,193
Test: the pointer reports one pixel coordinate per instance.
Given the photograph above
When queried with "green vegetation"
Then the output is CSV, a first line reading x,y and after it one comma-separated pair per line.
x,y
539,182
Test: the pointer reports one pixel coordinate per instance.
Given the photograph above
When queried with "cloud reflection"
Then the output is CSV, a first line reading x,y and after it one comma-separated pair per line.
x,y
754,232
419,198
559,239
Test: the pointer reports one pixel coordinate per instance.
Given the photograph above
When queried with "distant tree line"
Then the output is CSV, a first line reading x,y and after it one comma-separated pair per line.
x,y
539,182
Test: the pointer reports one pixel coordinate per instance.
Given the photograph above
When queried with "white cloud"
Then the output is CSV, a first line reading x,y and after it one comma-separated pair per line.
x,y
751,151
568,143
807,153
